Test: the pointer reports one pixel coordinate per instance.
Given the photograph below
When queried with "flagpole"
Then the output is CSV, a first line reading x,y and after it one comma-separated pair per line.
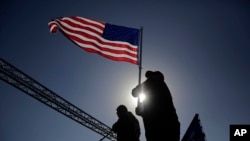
x,y
140,55
140,63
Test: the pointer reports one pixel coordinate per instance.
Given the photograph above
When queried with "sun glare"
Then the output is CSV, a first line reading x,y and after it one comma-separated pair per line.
x,y
142,97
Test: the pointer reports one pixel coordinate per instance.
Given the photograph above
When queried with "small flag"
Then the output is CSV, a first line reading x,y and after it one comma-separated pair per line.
x,y
114,42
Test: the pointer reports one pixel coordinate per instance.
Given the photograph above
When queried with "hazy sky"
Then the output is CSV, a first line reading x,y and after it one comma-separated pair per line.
x,y
202,48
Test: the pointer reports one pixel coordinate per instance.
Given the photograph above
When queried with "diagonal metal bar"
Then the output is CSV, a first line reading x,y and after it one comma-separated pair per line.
x,y
26,84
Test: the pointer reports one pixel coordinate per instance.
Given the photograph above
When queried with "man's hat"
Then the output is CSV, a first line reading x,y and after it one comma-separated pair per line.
x,y
155,75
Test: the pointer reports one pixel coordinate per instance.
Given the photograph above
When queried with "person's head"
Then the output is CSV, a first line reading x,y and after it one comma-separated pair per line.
x,y
154,75
121,110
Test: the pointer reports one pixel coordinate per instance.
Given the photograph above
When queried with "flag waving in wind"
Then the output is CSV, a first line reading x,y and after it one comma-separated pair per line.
x,y
115,42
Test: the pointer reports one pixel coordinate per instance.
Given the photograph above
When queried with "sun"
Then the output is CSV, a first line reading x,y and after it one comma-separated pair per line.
x,y
141,97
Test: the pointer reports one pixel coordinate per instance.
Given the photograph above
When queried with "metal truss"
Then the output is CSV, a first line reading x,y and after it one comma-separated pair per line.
x,y
26,84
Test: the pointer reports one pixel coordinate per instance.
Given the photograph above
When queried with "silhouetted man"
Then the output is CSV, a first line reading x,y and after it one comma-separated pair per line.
x,y
159,115
127,126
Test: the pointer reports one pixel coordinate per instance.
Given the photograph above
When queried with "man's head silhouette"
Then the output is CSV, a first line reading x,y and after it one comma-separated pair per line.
x,y
121,110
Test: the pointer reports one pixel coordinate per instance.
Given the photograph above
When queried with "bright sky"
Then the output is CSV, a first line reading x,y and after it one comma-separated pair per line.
x,y
202,48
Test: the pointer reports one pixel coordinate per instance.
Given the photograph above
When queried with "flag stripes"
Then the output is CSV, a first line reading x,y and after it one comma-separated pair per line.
x,y
88,34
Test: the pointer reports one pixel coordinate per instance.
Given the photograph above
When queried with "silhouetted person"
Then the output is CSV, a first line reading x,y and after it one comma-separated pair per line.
x,y
127,126
159,115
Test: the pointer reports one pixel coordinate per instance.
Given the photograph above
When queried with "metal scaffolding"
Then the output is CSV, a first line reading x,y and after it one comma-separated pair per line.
x,y
25,83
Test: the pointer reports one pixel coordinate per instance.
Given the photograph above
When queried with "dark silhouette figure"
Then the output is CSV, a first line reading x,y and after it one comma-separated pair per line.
x,y
158,112
127,126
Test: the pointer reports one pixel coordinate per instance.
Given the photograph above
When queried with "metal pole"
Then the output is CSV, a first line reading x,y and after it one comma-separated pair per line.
x,y
140,62
140,54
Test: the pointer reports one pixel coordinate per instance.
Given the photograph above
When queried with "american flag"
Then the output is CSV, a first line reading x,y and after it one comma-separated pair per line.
x,y
114,42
